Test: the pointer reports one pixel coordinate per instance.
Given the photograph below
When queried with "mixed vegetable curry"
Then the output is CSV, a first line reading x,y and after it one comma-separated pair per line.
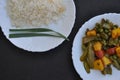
x,y
101,47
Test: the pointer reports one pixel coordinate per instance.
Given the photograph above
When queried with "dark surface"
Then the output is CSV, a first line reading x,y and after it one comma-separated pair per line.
x,y
56,64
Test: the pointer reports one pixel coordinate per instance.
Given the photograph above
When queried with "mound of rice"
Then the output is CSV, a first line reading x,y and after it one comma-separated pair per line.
x,y
34,12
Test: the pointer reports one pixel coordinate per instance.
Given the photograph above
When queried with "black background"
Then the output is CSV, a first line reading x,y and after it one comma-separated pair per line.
x,y
56,64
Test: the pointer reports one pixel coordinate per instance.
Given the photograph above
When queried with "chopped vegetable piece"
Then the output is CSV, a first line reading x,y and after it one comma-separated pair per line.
x,y
97,46
118,51
99,54
106,61
116,33
111,51
98,65
91,33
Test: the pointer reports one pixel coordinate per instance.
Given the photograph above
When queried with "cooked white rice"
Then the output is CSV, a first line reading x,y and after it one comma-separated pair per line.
x,y
34,12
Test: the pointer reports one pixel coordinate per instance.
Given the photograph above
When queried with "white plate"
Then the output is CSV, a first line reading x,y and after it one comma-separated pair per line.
x,y
76,50
40,44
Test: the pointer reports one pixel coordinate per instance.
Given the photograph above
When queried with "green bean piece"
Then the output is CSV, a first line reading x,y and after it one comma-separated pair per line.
x,y
88,39
118,59
83,47
104,36
113,42
91,55
111,58
115,57
84,56
116,64
86,66
104,72
104,42
107,70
